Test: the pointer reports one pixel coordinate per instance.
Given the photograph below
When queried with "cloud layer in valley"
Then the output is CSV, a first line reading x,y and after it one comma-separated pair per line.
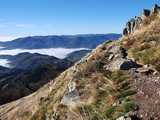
x,y
7,38
4,63
57,52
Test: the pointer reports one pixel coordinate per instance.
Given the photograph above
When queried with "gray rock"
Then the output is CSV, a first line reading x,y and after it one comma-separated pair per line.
x,y
129,64
111,56
146,12
125,31
147,69
132,25
114,49
138,21
130,116
124,118
72,95
156,9
114,65
135,23
121,64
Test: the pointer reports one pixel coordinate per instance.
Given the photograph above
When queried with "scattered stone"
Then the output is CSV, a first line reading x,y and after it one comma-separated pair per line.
x,y
158,92
147,70
114,49
111,56
123,52
124,118
71,86
130,116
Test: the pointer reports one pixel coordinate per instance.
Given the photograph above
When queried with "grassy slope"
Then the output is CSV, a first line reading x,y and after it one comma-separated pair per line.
x,y
96,88
103,94
109,88
144,44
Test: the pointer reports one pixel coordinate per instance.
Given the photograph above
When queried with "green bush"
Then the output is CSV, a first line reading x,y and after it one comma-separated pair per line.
x,y
126,93
128,106
117,76
110,111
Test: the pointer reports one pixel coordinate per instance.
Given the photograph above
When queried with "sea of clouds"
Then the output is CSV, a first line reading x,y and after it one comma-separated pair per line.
x,y
4,63
57,52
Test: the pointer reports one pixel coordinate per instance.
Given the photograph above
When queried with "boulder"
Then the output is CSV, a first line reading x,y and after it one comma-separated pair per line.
x,y
71,96
118,59
156,9
132,25
139,21
146,12
147,69
125,31
121,64
111,56
124,118
130,116
123,52
114,49
129,64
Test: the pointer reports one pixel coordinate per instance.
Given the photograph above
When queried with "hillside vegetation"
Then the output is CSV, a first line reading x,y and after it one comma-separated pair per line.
x,y
117,81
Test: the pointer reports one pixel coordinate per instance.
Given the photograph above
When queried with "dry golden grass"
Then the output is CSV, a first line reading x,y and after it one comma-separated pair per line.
x,y
144,44
103,94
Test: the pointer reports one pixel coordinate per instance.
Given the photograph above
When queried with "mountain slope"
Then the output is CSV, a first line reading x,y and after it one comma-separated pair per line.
x,y
77,55
116,81
27,60
28,73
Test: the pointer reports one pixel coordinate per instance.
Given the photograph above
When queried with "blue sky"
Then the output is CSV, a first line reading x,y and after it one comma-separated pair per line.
x,y
49,17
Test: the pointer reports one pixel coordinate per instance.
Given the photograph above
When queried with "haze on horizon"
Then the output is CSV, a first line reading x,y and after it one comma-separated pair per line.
x,y
21,18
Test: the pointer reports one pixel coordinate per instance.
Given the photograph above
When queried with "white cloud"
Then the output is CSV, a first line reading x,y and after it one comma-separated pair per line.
x,y
25,25
7,38
4,63
57,52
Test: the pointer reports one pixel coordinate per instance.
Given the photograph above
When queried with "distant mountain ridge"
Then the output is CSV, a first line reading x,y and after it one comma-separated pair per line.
x,y
63,41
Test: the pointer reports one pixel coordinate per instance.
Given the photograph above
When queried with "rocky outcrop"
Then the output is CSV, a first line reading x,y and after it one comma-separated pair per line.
x,y
156,9
118,60
121,64
146,12
132,25
136,22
